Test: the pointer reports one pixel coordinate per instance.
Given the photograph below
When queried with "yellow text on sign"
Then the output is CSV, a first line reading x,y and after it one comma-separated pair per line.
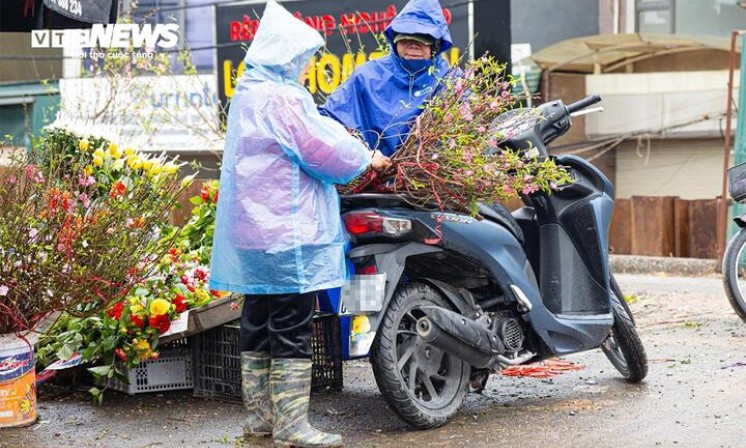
x,y
327,71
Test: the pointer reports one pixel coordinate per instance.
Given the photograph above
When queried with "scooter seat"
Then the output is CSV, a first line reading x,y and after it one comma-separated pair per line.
x,y
498,214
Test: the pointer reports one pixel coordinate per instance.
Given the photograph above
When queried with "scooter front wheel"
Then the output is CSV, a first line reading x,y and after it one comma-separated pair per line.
x,y
422,384
734,273
623,346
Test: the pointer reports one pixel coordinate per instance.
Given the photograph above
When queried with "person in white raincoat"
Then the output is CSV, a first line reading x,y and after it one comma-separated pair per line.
x,y
278,234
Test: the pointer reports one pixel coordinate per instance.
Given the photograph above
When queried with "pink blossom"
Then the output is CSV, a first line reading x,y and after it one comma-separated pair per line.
x,y
494,106
492,143
468,116
86,181
481,129
39,177
530,188
434,156
4,290
528,178
468,157
84,199
553,185
12,180
505,94
459,87
464,109
468,173
507,189
30,171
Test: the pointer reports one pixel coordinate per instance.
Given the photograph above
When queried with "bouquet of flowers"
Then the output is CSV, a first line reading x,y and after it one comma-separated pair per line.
x,y
80,220
452,157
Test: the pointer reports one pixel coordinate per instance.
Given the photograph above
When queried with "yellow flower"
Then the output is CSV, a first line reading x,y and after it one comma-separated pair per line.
x,y
134,162
99,153
88,170
170,168
147,164
114,151
141,345
156,169
360,324
202,296
159,306
129,152
136,305
84,144
98,161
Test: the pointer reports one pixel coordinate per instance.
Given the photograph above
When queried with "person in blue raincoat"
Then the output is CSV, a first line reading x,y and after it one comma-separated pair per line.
x,y
278,234
382,98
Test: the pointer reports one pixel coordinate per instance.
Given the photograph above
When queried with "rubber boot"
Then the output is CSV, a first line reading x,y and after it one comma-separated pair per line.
x,y
255,390
290,386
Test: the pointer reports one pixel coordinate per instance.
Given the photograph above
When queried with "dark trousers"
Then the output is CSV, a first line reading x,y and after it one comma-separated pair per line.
x,y
279,324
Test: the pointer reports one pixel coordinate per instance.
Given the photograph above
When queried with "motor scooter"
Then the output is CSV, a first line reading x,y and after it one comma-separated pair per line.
x,y
440,300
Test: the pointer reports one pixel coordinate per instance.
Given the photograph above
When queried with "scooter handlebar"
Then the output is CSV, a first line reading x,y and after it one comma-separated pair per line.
x,y
582,104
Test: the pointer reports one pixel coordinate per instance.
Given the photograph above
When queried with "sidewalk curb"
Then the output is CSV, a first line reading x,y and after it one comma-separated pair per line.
x,y
687,267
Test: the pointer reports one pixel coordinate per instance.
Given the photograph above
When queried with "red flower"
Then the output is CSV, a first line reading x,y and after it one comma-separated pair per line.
x,y
137,320
117,189
199,274
215,198
185,279
115,312
174,254
215,293
205,193
180,303
190,288
160,322
120,354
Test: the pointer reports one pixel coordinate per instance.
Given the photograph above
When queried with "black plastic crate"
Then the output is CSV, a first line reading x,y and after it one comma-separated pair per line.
x,y
217,359
737,182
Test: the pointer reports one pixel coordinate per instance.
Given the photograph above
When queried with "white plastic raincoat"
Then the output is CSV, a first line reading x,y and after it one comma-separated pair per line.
x,y
278,227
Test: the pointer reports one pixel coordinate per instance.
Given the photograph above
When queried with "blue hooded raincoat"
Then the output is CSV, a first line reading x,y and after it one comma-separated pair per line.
x,y
278,227
382,97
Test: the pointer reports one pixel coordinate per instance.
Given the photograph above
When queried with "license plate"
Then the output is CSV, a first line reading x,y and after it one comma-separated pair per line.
x,y
364,294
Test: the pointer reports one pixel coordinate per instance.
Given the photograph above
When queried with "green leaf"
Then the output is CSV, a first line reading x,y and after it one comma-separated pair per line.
x,y
195,200
66,352
95,391
100,370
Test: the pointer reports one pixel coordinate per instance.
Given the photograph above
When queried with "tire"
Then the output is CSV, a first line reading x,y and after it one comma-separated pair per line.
x,y
397,348
623,346
733,253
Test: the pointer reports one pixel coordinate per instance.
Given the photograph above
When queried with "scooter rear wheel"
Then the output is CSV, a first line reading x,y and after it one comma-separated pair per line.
x,y
623,346
422,384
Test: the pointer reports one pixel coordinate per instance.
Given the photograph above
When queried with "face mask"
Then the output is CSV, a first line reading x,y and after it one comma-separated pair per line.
x,y
415,66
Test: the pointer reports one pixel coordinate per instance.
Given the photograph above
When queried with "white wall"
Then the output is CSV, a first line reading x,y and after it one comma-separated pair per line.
x,y
688,168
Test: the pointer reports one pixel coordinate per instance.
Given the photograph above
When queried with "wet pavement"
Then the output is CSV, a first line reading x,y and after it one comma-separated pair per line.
x,y
694,396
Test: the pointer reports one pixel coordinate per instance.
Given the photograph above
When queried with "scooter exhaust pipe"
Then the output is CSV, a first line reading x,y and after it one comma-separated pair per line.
x,y
459,336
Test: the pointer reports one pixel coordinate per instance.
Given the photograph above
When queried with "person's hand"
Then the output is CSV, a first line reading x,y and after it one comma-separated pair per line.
x,y
379,162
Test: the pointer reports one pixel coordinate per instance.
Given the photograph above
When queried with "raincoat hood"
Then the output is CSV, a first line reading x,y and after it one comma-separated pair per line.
x,y
383,97
421,17
282,45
